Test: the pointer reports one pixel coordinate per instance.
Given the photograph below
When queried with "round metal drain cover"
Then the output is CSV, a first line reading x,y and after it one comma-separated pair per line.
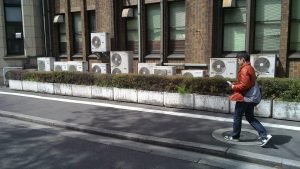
x,y
247,137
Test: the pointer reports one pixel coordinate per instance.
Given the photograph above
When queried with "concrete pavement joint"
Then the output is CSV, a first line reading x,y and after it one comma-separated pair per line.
x,y
190,146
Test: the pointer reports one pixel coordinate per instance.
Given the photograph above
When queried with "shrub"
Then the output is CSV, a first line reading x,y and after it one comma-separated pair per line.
x,y
151,82
103,80
279,88
16,74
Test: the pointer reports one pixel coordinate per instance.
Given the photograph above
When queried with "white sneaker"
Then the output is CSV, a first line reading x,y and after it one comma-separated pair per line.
x,y
230,138
265,140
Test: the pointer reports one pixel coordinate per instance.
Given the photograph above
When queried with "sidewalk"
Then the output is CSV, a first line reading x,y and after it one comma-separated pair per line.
x,y
194,133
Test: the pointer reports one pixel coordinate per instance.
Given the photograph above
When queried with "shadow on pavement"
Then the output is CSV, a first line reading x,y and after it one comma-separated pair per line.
x,y
278,140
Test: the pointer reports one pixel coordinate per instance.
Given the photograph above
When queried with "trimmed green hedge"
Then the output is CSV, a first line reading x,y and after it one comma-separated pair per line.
x,y
279,88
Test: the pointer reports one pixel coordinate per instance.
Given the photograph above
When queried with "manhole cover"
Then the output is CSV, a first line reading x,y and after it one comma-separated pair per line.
x,y
248,137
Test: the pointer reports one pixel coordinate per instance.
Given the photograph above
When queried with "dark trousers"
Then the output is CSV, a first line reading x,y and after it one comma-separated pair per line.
x,y
248,109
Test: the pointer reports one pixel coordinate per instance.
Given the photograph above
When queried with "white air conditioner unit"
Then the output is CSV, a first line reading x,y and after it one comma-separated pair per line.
x,y
100,42
45,63
146,68
60,66
194,73
165,70
5,73
121,62
77,66
264,64
223,67
101,68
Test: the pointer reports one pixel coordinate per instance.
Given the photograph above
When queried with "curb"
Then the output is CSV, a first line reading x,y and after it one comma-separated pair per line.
x,y
184,145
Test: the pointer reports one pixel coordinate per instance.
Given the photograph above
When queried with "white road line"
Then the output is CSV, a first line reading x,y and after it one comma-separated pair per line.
x,y
143,110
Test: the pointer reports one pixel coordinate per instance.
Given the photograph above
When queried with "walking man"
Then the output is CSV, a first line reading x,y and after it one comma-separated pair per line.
x,y
246,80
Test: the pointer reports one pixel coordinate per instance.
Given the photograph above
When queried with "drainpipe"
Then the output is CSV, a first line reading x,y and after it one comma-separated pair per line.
x,y
49,19
139,32
44,28
162,43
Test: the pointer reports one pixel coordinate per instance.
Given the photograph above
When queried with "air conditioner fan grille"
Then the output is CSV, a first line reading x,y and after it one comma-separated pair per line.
x,y
219,66
116,59
96,69
144,71
116,71
41,65
262,65
58,68
96,42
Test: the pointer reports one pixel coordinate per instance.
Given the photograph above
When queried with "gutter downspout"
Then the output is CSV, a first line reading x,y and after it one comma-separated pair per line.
x,y
49,16
44,28
162,34
139,33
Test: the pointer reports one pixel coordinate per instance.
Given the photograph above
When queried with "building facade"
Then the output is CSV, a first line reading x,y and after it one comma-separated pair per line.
x,y
183,33
21,33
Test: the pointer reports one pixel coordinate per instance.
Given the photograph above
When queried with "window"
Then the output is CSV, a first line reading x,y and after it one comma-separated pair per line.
x,y
91,25
132,32
177,27
77,33
234,27
14,29
62,38
267,25
153,28
295,26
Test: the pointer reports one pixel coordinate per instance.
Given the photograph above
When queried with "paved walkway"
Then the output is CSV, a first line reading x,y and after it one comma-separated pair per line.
x,y
185,129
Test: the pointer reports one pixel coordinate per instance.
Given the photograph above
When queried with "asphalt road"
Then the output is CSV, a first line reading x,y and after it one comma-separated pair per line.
x,y
32,146
25,145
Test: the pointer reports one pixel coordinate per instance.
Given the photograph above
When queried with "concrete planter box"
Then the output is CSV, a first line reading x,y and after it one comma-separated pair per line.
x,y
30,86
212,103
263,109
126,95
286,110
45,87
63,89
151,97
15,84
179,100
103,92
82,91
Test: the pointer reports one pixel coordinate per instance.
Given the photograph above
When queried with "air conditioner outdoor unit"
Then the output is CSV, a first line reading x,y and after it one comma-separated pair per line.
x,y
121,62
101,68
45,63
223,67
60,66
100,42
165,70
194,73
264,64
5,73
77,66
146,68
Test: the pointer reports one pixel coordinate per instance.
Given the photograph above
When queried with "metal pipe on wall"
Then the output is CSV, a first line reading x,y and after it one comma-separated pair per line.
x,y
44,29
139,32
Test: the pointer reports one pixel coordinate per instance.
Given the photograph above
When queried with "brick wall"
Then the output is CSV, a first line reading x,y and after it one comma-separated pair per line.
x,y
60,6
284,37
294,69
198,31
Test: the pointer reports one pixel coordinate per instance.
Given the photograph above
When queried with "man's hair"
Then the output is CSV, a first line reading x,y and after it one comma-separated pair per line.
x,y
244,55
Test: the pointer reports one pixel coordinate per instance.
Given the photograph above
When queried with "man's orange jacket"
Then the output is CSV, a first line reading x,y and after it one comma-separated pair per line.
x,y
246,79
